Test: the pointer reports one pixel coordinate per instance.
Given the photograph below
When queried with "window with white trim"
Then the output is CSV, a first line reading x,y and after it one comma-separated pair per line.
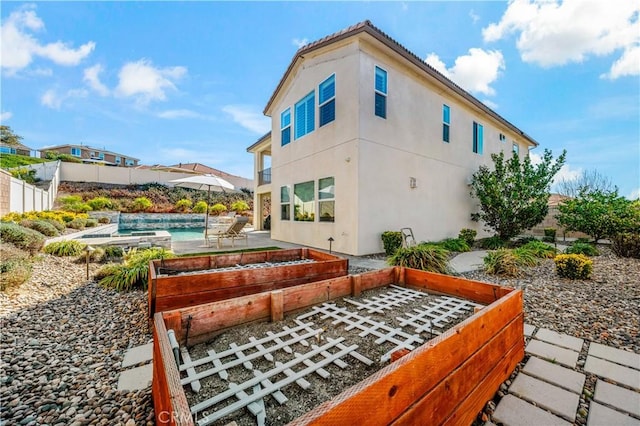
x,y
285,127
326,200
128,162
478,138
285,203
446,122
304,201
380,106
305,115
76,152
118,160
327,101
516,148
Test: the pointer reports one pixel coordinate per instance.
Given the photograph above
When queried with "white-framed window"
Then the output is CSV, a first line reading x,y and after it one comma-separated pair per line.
x,y
327,100
285,127
304,201
305,121
76,152
478,138
516,148
101,155
285,203
326,200
128,162
380,106
446,122
118,160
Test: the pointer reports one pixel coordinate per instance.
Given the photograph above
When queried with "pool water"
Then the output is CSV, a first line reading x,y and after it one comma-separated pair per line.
x,y
177,234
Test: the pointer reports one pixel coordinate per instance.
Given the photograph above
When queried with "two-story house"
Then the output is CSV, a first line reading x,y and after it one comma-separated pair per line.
x,y
365,138
88,154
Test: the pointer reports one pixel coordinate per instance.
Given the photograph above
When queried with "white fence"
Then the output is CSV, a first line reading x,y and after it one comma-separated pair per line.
x,y
19,196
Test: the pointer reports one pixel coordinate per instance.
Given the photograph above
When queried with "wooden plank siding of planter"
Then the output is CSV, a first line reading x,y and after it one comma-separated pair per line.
x,y
167,292
447,380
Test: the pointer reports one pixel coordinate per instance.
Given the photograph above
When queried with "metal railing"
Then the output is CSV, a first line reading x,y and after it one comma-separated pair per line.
x,y
264,176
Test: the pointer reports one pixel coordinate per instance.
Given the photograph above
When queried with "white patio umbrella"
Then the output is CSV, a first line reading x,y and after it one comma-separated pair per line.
x,y
207,183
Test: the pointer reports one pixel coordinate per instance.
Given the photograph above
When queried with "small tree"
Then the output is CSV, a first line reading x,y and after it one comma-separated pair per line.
x,y
599,214
8,137
514,195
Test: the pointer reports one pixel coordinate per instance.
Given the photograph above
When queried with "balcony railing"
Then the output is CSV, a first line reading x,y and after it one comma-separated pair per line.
x,y
264,176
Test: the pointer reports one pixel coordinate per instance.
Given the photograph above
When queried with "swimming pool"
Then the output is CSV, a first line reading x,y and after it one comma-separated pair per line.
x,y
177,234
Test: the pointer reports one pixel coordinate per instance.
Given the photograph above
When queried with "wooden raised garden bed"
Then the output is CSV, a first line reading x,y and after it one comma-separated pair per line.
x,y
446,380
182,282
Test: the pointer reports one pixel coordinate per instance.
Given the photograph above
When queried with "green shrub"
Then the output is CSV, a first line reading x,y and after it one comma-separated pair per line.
x,y
65,248
426,257
15,266
104,220
540,249
468,235
502,262
24,173
582,248
77,223
58,224
549,235
218,208
45,228
107,270
113,252
95,255
141,204
21,237
200,207
100,203
90,223
526,257
454,244
491,243
239,206
391,241
582,240
71,199
573,266
135,270
183,205
626,244
524,240
78,207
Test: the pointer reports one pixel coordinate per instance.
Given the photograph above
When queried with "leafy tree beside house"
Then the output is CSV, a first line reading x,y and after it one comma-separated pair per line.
x,y
596,212
8,137
514,195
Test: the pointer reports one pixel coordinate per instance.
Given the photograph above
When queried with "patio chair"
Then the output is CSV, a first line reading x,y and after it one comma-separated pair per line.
x,y
233,232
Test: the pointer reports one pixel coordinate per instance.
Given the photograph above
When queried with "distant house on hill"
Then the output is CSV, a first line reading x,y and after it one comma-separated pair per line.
x,y
18,149
92,155
366,137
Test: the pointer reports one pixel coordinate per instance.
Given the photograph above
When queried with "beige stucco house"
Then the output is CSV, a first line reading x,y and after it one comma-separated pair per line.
x,y
91,155
366,137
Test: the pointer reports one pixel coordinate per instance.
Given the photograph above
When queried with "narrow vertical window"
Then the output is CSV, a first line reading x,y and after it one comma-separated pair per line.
x,y
381,93
285,127
478,138
327,100
326,199
305,115
516,148
446,122
502,137
285,203
304,201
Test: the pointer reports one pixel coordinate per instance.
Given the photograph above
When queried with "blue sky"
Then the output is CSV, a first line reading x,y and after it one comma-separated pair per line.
x,y
171,82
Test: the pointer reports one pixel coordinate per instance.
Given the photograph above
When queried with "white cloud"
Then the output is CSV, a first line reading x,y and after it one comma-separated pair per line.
x,y
474,72
248,118
179,113
52,99
555,33
92,78
19,46
474,16
566,172
147,83
300,42
5,115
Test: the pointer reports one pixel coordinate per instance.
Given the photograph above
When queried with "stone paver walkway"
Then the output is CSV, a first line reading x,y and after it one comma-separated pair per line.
x,y
548,388
137,368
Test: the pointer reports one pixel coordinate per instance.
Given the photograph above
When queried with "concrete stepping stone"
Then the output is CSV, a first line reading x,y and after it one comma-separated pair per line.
x,y
599,415
138,355
529,329
545,395
555,374
624,399
512,411
552,352
616,372
618,356
135,378
562,340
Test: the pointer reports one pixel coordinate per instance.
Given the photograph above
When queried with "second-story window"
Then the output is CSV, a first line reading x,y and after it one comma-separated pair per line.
x,y
446,122
285,127
381,93
305,115
478,138
516,149
327,100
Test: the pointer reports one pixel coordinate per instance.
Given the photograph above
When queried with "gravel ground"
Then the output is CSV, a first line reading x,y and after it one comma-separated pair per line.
x,y
62,338
62,341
